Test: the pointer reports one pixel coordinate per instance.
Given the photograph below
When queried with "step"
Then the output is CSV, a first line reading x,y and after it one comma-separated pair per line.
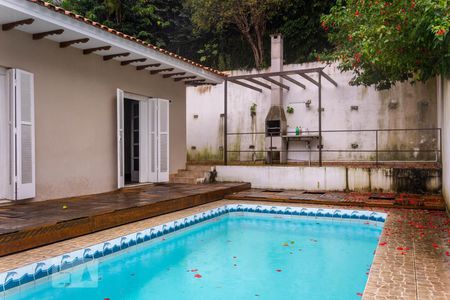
x,y
187,180
191,173
199,168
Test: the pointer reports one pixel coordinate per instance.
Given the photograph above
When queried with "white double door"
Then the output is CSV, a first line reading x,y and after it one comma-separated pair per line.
x,y
17,135
153,139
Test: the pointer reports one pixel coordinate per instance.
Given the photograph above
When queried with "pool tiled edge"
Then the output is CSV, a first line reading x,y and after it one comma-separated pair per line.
x,y
31,272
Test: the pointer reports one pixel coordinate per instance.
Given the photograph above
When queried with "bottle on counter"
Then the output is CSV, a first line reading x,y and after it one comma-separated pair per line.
x,y
297,131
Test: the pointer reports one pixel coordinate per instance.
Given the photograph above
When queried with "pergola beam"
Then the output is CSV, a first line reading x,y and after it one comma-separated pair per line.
x,y
277,83
41,35
174,74
92,50
161,70
259,83
273,74
73,42
109,57
139,68
293,81
12,25
309,79
246,85
327,77
127,62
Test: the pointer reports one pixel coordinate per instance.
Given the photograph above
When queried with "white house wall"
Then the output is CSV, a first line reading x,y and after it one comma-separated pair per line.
x,y
75,112
403,106
445,120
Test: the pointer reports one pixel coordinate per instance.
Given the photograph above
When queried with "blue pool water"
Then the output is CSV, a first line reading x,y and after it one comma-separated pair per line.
x,y
230,257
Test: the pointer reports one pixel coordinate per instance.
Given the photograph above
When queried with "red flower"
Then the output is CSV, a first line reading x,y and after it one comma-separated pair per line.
x,y
356,13
358,57
441,32
382,244
399,27
350,38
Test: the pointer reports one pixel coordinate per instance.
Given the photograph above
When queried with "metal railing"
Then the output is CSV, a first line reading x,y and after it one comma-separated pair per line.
x,y
388,145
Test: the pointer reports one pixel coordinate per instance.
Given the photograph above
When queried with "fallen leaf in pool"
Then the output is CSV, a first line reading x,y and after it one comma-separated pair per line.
x,y
198,276
194,270
359,294
278,270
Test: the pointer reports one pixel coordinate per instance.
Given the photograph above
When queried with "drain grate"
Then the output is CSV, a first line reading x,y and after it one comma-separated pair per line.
x,y
272,191
382,197
314,192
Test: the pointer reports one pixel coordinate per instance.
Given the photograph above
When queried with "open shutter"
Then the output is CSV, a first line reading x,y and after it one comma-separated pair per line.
x,y
153,139
120,141
22,135
163,149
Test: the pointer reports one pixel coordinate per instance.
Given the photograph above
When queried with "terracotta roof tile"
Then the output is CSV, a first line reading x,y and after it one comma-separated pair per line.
x,y
123,35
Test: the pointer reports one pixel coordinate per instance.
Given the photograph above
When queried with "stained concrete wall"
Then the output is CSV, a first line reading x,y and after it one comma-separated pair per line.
x,y
334,178
403,106
75,112
444,87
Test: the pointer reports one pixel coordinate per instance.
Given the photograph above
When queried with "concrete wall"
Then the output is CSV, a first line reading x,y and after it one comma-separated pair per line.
x,y
403,106
445,123
334,178
75,110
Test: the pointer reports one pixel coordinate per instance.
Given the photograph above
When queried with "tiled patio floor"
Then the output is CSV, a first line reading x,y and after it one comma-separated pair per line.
x,y
412,260
384,200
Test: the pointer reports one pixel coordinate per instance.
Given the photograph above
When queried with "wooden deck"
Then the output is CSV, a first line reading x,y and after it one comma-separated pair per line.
x,y
28,225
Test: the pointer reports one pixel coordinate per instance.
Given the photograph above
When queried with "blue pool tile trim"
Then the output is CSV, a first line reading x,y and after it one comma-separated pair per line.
x,y
23,275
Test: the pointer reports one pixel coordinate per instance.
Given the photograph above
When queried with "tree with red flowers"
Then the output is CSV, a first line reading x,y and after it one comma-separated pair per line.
x,y
386,41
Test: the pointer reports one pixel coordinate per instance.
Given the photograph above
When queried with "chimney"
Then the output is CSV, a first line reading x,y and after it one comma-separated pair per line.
x,y
276,124
276,66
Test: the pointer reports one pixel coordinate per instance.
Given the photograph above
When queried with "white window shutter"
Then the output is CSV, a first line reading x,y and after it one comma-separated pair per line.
x,y
23,135
153,138
163,151
120,140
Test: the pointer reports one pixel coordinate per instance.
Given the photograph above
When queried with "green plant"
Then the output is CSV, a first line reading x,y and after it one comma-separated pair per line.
x,y
290,110
253,110
385,41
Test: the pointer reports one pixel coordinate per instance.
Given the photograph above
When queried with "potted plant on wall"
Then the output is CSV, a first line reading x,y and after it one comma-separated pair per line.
x,y
253,110
290,110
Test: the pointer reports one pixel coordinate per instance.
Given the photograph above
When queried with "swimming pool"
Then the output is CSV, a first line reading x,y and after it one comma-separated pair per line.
x,y
232,252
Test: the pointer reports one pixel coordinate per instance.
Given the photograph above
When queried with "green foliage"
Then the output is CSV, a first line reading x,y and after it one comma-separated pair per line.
x,y
177,27
249,17
299,22
385,41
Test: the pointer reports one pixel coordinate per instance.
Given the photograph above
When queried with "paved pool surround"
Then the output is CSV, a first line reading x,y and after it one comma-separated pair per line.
x,y
421,272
